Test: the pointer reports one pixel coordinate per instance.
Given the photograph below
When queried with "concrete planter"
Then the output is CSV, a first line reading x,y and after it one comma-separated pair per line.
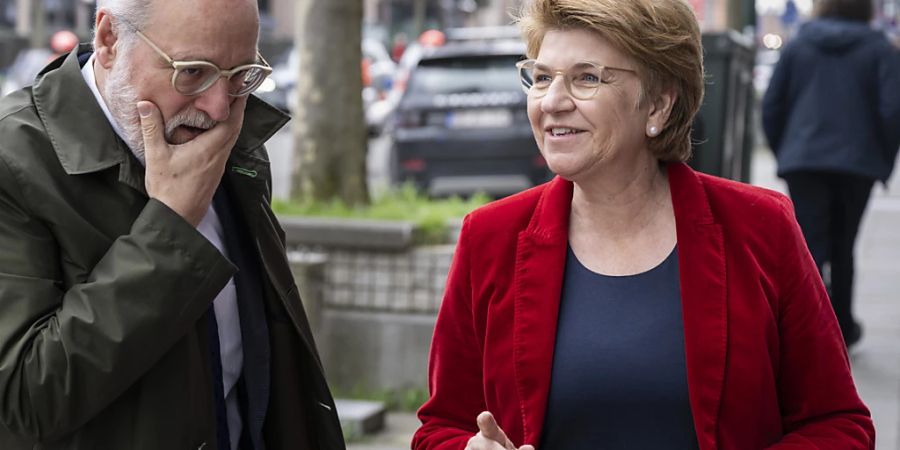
x,y
372,295
357,234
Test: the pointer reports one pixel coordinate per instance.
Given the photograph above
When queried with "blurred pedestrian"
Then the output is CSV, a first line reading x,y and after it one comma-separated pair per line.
x,y
63,42
632,302
398,46
146,301
832,117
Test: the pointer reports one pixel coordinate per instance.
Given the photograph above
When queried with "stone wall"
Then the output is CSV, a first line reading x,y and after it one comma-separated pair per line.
x,y
372,297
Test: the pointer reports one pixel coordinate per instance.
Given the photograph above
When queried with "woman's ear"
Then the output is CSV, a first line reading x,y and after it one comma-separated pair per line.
x,y
660,109
105,39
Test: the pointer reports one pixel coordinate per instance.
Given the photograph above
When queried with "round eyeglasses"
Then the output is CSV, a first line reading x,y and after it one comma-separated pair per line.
x,y
194,77
582,80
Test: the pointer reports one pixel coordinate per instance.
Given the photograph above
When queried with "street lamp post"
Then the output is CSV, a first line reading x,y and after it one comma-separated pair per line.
x,y
83,22
23,17
31,22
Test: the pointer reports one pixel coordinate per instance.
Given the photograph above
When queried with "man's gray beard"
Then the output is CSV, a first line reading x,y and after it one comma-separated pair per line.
x,y
122,98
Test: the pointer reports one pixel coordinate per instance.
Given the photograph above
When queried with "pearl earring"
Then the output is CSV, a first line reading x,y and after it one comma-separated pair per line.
x,y
653,131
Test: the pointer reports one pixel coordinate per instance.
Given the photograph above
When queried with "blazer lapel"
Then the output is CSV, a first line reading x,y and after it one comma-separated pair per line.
x,y
540,262
701,257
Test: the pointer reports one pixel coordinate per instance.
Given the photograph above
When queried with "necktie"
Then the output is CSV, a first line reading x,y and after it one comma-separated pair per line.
x,y
222,436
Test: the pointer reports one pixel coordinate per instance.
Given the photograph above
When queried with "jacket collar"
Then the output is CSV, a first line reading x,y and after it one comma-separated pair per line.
x,y
550,220
70,113
540,246
701,255
551,215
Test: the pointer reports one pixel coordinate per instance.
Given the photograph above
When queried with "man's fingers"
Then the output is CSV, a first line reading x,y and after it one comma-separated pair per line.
x,y
526,447
236,119
236,116
489,429
151,125
225,134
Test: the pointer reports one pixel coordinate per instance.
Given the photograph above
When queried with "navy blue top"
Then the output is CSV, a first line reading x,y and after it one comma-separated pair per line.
x,y
619,379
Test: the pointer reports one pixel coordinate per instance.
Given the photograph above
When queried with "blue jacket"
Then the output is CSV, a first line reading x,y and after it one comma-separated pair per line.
x,y
833,103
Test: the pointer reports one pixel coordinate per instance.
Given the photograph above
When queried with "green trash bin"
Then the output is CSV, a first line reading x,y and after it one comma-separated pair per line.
x,y
723,129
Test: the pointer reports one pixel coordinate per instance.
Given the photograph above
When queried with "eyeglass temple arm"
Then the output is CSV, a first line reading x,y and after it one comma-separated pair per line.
x,y
155,48
172,62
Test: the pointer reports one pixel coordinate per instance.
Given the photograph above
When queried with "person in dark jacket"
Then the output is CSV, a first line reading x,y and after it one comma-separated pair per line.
x,y
146,301
832,117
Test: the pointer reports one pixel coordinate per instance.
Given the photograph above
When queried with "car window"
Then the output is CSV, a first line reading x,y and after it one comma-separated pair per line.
x,y
489,73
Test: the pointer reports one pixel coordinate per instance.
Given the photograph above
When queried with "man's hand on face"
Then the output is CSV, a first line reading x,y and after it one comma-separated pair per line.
x,y
185,177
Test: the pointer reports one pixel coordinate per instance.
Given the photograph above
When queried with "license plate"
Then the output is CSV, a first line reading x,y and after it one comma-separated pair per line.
x,y
479,118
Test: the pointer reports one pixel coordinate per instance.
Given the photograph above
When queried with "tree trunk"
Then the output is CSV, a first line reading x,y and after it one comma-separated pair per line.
x,y
329,128
23,17
418,17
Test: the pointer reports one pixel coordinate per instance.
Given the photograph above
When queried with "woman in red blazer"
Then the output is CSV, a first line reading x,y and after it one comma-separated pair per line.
x,y
631,302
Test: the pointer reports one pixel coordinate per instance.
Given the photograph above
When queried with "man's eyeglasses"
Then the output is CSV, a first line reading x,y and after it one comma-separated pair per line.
x,y
194,77
582,80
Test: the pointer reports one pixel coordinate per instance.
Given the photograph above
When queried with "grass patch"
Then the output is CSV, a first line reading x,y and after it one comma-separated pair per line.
x,y
431,216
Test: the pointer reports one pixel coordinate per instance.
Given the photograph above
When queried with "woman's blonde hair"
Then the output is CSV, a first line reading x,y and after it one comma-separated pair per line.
x,y
662,36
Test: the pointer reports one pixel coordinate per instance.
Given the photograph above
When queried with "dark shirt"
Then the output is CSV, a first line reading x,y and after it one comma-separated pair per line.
x,y
619,379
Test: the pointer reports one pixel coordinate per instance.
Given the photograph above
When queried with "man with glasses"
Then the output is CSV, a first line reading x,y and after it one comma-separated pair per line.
x,y
145,298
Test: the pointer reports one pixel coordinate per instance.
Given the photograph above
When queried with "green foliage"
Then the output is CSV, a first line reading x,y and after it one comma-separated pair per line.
x,y
431,216
404,400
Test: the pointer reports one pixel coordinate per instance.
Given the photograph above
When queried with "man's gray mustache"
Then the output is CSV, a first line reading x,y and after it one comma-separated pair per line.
x,y
194,119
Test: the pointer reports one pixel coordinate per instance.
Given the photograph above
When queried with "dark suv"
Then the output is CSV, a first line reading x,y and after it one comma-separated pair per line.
x,y
461,126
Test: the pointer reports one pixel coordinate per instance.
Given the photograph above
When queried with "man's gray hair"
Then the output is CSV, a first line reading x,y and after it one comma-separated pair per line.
x,y
126,14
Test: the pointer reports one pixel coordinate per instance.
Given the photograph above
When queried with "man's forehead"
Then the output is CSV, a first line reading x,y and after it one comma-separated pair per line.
x,y
205,15
206,6
206,33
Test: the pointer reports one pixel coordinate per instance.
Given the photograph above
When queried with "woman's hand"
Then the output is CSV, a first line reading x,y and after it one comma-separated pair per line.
x,y
490,436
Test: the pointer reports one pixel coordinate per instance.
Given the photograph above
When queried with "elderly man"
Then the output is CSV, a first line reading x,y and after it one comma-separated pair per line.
x,y
145,298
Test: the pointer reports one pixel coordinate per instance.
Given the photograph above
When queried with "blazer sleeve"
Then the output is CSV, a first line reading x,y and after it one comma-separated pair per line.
x,y
455,363
820,407
68,351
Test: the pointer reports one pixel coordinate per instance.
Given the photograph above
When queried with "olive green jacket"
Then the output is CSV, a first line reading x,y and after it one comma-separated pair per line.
x,y
103,292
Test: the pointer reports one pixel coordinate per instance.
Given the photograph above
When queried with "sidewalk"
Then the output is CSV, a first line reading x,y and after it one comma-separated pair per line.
x,y
876,359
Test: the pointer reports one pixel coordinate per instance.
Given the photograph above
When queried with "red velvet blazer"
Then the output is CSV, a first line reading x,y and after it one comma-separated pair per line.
x,y
766,364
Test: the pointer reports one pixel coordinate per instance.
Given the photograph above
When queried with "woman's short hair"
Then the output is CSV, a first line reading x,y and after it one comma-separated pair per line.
x,y
662,36
856,10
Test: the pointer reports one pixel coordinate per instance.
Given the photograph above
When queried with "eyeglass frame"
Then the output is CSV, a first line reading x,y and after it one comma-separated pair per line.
x,y
177,66
566,81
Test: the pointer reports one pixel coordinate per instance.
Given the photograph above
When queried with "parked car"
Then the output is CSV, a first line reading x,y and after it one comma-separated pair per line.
x,y
461,124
